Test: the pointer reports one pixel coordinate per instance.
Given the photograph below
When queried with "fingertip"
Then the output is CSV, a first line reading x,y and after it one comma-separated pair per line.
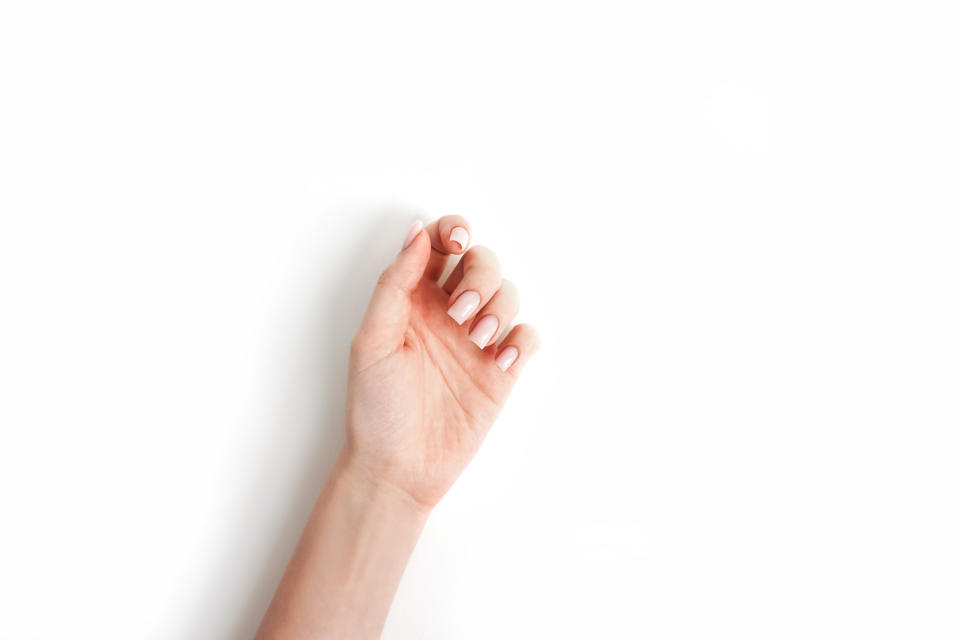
x,y
458,240
507,357
416,248
450,234
536,340
517,348
408,266
412,234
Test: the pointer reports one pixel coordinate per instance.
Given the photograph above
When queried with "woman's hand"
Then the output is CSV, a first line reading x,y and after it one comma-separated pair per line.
x,y
427,379
427,375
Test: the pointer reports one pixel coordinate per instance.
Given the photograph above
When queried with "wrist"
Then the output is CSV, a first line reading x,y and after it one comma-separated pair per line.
x,y
376,492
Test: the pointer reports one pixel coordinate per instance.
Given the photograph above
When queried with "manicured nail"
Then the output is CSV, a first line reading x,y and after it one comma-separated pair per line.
x,y
507,357
463,308
414,230
484,330
460,236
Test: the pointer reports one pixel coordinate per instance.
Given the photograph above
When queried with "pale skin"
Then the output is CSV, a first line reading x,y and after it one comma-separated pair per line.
x,y
431,367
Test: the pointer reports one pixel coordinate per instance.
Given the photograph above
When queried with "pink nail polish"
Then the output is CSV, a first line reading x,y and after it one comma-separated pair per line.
x,y
414,230
484,330
463,308
460,236
507,358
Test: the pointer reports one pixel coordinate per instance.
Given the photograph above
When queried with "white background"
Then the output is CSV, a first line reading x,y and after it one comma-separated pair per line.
x,y
735,225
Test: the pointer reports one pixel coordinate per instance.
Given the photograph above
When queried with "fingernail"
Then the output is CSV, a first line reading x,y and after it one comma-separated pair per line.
x,y
506,358
484,330
414,230
463,308
460,236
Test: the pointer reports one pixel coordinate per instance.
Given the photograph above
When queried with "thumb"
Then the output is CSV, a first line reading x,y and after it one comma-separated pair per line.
x,y
388,313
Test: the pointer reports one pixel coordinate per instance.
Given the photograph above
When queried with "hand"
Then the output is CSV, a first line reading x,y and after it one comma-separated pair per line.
x,y
427,377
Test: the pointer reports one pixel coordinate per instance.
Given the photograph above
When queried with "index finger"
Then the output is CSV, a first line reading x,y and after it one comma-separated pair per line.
x,y
449,235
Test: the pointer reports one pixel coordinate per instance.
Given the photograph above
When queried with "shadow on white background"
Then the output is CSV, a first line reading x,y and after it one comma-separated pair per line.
x,y
287,482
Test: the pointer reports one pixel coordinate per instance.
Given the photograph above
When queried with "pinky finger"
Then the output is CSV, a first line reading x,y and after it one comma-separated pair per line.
x,y
521,343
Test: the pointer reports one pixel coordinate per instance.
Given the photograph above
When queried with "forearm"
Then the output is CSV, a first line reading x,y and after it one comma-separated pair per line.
x,y
349,561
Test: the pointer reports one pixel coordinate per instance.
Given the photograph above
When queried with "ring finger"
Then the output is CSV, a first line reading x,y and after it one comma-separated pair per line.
x,y
496,315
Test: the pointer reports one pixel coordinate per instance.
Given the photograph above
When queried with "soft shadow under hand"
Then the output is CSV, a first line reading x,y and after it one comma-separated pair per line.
x,y
268,522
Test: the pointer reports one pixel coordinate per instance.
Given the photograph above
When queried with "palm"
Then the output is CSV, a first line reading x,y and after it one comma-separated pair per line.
x,y
423,411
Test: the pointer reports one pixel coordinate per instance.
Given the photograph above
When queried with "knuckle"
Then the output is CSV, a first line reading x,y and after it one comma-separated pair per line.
x,y
482,255
527,334
391,279
506,299
483,274
510,290
386,276
359,344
